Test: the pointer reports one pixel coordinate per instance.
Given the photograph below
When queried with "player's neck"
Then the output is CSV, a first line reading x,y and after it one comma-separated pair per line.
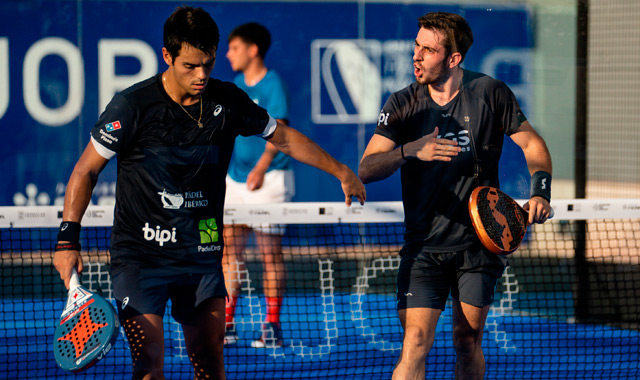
x,y
254,73
176,93
444,91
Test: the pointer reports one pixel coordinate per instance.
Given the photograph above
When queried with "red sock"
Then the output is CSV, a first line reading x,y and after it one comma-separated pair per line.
x,y
230,310
273,309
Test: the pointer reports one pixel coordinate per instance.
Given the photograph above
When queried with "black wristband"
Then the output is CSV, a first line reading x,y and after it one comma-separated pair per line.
x,y
68,247
69,231
541,185
402,152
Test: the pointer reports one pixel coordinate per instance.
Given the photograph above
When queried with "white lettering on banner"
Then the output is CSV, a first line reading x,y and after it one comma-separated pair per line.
x,y
161,236
355,76
4,75
53,117
108,82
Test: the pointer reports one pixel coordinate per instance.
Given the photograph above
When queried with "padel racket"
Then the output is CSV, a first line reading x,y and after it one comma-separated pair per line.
x,y
87,329
499,221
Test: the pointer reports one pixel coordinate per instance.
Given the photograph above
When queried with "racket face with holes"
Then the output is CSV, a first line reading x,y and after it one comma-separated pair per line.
x,y
499,221
87,330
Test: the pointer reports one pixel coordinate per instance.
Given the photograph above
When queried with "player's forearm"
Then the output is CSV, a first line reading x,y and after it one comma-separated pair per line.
x,y
78,195
538,157
376,167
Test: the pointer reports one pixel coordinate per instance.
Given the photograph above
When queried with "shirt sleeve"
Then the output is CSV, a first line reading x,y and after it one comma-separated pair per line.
x,y
509,111
390,120
114,128
251,119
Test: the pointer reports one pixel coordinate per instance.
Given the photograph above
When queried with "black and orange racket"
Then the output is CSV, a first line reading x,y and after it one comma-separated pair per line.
x,y
500,222
87,329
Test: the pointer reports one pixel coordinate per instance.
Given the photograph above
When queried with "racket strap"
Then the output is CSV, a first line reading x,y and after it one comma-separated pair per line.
x,y
477,168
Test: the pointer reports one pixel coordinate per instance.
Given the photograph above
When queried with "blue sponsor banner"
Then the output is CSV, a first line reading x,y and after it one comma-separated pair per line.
x,y
62,61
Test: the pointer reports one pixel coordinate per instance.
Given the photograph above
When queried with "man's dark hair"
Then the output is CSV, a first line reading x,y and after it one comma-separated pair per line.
x,y
457,33
253,33
193,26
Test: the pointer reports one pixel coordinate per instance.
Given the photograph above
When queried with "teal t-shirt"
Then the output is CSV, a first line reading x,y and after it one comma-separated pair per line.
x,y
271,95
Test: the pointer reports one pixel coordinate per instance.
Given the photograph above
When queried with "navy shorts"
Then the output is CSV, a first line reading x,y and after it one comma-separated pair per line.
x,y
140,290
425,278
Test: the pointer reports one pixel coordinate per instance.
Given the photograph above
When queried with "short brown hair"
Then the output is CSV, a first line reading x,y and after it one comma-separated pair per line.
x,y
193,26
456,30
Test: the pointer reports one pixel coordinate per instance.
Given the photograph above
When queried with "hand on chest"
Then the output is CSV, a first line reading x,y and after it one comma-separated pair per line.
x,y
450,122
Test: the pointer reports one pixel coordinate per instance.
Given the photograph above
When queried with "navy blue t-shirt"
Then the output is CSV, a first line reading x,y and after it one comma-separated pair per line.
x,y
435,194
171,173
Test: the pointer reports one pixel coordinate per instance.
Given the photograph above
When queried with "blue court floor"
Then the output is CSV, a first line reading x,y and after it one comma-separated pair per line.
x,y
340,337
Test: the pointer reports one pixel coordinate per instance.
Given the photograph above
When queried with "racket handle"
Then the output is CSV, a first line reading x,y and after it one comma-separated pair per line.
x,y
74,281
552,213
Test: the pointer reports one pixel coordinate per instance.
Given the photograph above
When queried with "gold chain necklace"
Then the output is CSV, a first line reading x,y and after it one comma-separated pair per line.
x,y
166,87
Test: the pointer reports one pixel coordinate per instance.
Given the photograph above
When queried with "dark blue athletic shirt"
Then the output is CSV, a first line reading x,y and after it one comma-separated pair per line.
x,y
435,194
171,173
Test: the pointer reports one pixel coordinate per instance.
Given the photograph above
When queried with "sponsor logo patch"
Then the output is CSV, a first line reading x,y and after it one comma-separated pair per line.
x,y
208,231
160,236
112,126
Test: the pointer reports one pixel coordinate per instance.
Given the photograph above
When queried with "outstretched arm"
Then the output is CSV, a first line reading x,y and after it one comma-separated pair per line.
x,y
381,158
303,149
255,178
76,199
538,160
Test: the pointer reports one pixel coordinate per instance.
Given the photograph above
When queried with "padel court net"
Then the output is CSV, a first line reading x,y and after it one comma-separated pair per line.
x,y
567,307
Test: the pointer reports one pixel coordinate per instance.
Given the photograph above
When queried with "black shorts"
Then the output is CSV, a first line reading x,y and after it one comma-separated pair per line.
x,y
140,290
425,279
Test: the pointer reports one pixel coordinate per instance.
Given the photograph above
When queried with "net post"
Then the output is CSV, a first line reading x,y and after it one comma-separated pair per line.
x,y
583,285
581,293
582,32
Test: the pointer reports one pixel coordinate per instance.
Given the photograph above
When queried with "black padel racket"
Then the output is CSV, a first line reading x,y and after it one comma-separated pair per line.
x,y
500,222
87,329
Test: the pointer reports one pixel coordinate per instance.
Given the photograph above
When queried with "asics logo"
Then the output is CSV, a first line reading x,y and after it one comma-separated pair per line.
x,y
64,226
125,301
408,295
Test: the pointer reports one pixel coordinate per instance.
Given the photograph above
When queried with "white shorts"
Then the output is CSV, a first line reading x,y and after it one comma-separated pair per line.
x,y
278,186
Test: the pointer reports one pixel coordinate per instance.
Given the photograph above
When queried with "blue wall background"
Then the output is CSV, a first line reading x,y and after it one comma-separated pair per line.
x,y
37,158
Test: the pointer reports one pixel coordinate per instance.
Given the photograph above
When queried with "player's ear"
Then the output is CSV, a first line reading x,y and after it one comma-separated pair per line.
x,y
167,56
455,59
253,50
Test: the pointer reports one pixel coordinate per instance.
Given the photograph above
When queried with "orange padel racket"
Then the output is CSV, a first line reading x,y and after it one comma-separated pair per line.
x,y
87,330
499,221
